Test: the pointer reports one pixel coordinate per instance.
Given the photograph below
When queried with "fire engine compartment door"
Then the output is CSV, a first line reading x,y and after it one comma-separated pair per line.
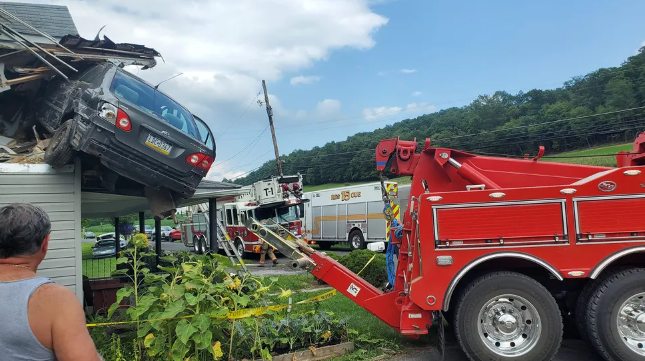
x,y
511,222
611,217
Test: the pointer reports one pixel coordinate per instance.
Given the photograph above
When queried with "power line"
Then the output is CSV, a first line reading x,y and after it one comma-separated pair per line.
x,y
240,117
539,124
238,153
424,105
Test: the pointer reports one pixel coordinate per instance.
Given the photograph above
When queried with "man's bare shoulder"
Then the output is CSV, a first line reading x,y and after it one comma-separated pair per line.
x,y
52,293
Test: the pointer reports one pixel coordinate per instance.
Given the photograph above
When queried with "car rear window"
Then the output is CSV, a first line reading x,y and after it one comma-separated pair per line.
x,y
145,97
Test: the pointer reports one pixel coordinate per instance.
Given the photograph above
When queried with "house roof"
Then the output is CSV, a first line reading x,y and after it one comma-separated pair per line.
x,y
54,20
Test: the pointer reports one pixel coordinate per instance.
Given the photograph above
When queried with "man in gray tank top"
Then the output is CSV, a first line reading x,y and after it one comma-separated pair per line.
x,y
39,320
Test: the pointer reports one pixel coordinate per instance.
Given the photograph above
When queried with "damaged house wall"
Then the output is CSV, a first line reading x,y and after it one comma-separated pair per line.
x,y
58,192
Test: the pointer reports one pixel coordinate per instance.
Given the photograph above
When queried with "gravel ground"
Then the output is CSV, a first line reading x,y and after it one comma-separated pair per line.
x,y
571,350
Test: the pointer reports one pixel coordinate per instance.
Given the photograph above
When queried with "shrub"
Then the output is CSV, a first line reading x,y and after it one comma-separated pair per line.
x,y
375,273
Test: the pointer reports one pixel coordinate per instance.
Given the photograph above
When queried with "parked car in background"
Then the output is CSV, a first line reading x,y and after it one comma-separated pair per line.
x,y
175,235
89,235
111,236
136,131
165,234
149,231
104,248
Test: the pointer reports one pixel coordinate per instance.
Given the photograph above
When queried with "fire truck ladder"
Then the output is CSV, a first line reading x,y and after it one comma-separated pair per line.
x,y
284,241
222,236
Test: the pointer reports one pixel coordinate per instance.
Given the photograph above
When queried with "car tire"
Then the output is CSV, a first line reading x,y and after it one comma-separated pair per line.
x,y
325,246
356,240
508,316
615,315
59,151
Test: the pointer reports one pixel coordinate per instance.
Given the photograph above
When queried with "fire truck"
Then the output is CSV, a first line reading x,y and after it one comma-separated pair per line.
x,y
511,252
278,199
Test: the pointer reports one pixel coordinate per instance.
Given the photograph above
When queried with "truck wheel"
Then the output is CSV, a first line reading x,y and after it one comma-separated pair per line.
x,y
197,245
508,316
325,246
204,243
239,247
582,304
356,240
616,316
59,151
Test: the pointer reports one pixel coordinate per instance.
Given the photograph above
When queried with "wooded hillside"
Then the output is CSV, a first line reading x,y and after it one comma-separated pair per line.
x,y
601,107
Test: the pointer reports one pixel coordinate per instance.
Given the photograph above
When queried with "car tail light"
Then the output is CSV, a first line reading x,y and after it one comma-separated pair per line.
x,y
206,162
123,120
195,158
108,112
200,160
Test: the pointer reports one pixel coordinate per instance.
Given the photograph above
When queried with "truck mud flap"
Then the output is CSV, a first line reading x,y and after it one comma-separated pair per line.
x,y
441,334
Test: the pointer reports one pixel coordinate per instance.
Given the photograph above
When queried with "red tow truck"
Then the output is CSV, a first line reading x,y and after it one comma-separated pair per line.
x,y
510,252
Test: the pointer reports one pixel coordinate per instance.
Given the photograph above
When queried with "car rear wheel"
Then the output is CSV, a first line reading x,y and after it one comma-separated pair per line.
x,y
508,316
356,240
59,151
615,316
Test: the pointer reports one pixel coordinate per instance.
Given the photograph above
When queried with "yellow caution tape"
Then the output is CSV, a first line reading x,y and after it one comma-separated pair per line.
x,y
231,315
366,264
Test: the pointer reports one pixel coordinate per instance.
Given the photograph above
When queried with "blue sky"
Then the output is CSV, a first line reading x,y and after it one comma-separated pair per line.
x,y
337,67
458,50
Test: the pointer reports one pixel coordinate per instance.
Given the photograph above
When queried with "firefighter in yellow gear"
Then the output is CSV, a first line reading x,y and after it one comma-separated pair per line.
x,y
264,249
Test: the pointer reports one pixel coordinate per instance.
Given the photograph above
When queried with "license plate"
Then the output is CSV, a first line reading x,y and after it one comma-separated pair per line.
x,y
158,144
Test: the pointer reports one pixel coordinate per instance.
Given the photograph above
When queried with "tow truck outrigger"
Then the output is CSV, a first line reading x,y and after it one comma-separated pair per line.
x,y
506,249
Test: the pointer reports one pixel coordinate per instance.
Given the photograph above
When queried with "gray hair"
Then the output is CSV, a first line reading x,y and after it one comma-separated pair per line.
x,y
23,228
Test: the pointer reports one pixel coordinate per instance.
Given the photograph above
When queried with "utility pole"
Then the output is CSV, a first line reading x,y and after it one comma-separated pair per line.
x,y
270,114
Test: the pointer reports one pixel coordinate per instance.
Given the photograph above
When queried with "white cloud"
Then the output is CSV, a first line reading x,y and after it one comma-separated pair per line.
x,y
416,93
380,73
225,48
218,172
297,80
301,114
408,71
410,110
328,107
372,113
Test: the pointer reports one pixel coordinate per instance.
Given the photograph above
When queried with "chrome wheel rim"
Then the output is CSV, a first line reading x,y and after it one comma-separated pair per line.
x,y
240,250
356,242
509,325
631,323
195,244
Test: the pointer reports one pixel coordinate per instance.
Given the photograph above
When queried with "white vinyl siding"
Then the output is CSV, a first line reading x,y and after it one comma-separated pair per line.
x,y
58,192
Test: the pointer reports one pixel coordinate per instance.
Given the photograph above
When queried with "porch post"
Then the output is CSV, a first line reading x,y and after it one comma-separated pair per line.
x,y
142,222
158,238
117,236
212,224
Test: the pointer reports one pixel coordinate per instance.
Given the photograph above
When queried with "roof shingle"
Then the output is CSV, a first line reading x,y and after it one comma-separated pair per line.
x,y
54,20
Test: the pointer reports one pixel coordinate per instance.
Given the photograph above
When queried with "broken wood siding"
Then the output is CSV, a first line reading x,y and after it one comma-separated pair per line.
x,y
58,192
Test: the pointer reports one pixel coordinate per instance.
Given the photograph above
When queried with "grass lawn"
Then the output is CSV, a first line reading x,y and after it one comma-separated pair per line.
x,y
107,228
96,268
589,159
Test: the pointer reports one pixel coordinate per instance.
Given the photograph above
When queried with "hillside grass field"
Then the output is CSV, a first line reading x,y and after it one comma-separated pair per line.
x,y
599,156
